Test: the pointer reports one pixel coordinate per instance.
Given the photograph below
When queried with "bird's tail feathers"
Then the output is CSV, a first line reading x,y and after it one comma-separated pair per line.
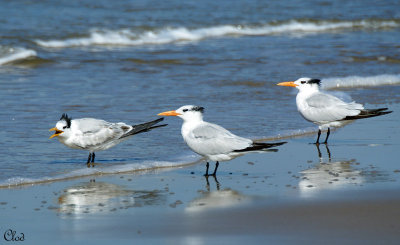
x,y
144,127
366,113
260,146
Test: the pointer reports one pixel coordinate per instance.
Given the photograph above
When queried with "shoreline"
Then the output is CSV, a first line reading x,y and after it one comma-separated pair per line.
x,y
344,192
98,172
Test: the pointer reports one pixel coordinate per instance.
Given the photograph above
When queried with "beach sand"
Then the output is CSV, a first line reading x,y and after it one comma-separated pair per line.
x,y
347,193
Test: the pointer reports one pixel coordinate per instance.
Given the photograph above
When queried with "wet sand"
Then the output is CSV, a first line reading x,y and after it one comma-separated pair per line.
x,y
347,193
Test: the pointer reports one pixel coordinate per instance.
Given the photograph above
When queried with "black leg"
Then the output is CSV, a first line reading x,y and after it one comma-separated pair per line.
x,y
319,134
216,167
89,158
216,181
327,135
319,151
328,151
207,166
207,183
93,155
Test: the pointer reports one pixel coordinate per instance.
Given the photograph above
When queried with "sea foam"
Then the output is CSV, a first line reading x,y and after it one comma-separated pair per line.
x,y
11,54
144,166
360,81
129,37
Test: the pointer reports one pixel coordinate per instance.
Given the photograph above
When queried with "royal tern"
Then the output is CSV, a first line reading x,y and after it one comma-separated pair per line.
x,y
326,110
210,140
96,135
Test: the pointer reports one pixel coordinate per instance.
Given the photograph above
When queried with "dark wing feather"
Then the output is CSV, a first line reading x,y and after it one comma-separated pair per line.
x,y
144,127
368,113
260,146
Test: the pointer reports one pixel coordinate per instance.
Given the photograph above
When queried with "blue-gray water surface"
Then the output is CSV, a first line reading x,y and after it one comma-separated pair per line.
x,y
129,60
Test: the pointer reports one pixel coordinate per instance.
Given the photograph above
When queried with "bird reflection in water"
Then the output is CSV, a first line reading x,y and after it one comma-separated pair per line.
x,y
209,200
327,151
103,197
328,174
208,183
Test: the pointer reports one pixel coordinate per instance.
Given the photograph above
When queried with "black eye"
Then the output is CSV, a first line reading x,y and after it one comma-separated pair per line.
x,y
185,110
303,82
64,127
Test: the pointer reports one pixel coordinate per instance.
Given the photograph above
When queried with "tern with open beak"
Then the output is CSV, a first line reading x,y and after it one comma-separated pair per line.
x,y
96,135
210,140
326,110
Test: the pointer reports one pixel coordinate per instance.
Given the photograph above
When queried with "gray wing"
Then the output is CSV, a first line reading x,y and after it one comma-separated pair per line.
x,y
211,139
326,107
95,132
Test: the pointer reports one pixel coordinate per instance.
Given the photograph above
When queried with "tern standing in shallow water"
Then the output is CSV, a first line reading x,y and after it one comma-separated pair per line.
x,y
326,110
96,135
211,140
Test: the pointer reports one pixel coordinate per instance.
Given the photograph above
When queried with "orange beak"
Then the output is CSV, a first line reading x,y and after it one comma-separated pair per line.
x,y
288,84
57,133
169,113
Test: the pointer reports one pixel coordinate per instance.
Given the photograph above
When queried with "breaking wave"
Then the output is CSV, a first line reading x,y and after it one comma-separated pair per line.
x,y
359,81
129,37
99,171
10,54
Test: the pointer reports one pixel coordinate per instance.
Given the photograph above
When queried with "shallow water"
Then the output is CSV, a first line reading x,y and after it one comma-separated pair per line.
x,y
130,60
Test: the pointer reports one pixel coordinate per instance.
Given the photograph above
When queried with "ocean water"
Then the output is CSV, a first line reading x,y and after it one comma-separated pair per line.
x,y
129,60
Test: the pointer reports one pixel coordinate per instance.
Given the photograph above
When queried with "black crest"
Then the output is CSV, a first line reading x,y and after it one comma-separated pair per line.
x,y
67,119
198,108
317,81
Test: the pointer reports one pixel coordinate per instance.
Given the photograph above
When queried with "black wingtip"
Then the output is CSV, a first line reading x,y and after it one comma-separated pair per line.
x,y
367,113
144,127
261,146
158,126
149,124
271,144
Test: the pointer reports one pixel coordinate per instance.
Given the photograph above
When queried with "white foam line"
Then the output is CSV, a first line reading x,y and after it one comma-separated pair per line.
x,y
15,54
87,172
126,37
359,81
130,168
120,169
140,167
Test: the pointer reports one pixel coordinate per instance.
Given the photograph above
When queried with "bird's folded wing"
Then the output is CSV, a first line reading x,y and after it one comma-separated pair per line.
x,y
213,139
97,132
90,125
325,107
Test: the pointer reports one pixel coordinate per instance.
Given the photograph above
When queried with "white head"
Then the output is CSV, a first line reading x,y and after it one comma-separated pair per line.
x,y
63,127
303,84
187,113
